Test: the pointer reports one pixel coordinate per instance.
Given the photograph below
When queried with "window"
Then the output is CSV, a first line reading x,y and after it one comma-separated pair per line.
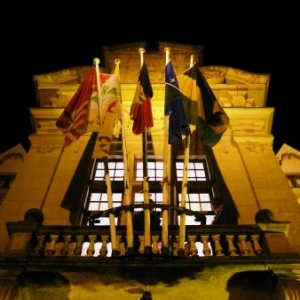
x,y
155,170
98,199
87,193
198,202
115,168
198,198
196,171
156,197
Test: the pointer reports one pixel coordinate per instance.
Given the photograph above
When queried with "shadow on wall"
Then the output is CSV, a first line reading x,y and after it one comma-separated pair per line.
x,y
249,285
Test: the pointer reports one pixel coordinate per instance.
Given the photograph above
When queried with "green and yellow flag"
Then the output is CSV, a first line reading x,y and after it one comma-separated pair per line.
x,y
201,106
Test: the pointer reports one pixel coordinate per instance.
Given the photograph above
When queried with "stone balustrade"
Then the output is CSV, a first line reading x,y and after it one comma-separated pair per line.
x,y
30,240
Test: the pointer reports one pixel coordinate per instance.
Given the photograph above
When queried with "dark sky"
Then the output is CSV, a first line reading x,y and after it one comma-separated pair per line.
x,y
45,36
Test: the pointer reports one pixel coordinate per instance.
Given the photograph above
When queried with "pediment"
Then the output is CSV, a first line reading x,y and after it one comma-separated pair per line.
x,y
242,94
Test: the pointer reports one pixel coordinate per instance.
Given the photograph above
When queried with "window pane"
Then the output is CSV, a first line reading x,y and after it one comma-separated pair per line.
x,y
195,206
200,173
151,174
111,165
179,165
160,175
119,172
99,173
197,201
151,165
205,197
100,165
104,205
206,206
159,165
93,206
139,165
95,197
139,175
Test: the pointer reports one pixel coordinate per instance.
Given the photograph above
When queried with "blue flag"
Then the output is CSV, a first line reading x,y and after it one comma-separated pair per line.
x,y
178,123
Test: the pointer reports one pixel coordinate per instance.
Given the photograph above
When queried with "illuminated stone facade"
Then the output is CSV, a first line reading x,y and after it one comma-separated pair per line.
x,y
245,157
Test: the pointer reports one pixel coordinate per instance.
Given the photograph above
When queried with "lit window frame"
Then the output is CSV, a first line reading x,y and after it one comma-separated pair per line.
x,y
197,199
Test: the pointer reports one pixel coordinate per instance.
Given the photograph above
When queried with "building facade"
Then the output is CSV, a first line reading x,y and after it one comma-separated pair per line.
x,y
40,234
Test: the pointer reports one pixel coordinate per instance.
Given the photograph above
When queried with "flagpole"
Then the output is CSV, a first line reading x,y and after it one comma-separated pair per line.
x,y
166,181
182,234
97,62
127,185
147,221
113,233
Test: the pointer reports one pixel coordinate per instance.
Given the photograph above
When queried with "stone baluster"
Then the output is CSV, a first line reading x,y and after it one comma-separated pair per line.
x,y
40,247
155,249
255,240
103,249
118,240
244,248
193,248
91,248
175,247
79,244
65,248
141,249
122,247
231,248
51,247
116,252
205,240
171,245
218,247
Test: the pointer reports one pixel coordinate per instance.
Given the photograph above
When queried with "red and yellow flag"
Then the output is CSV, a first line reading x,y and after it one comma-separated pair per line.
x,y
82,112
141,111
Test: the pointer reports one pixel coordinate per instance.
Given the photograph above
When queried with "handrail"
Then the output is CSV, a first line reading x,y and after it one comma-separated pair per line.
x,y
118,209
34,243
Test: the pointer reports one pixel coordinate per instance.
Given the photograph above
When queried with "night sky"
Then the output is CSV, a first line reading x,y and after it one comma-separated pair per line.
x,y
41,37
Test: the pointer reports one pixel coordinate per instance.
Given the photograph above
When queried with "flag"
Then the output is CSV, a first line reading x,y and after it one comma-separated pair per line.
x,y
141,111
82,112
202,107
118,114
178,123
110,100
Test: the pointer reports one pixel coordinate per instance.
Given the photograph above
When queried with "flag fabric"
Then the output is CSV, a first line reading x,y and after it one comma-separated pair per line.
x,y
82,114
110,100
82,110
202,108
178,122
141,111
118,116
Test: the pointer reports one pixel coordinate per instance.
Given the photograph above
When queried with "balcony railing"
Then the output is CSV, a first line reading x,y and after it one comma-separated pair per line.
x,y
65,246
